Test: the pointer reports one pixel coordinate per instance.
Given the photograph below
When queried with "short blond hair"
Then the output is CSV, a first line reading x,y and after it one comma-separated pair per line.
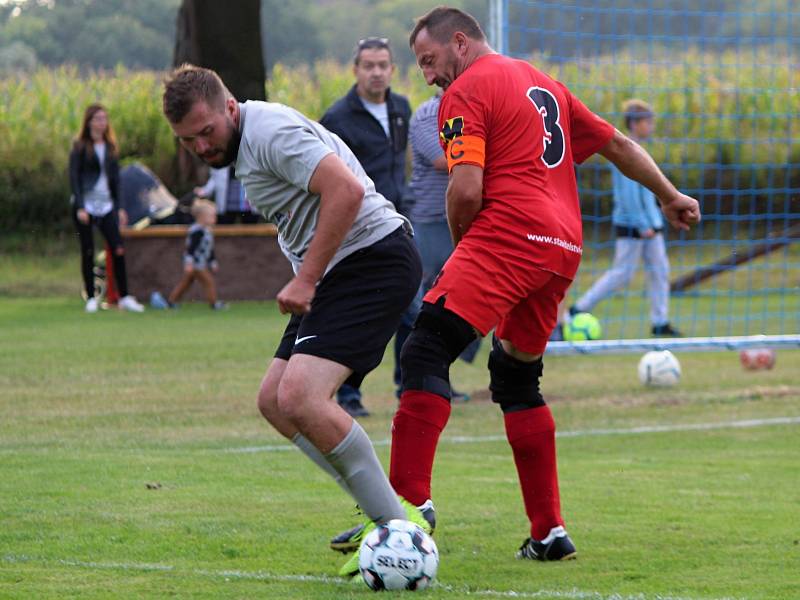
x,y
201,206
635,109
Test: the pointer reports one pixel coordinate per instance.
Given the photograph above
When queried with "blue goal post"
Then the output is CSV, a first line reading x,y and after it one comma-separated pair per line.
x,y
723,80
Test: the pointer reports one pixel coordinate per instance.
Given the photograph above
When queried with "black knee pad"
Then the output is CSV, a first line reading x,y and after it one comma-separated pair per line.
x,y
514,383
438,337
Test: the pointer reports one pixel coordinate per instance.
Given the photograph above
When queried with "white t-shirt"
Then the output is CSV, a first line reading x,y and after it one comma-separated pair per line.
x,y
278,154
98,201
379,111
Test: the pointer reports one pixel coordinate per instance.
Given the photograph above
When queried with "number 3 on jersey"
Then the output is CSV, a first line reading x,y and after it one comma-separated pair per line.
x,y
553,140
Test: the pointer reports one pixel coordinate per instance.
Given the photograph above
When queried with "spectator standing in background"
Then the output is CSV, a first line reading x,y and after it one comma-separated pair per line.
x,y
428,189
638,223
94,181
229,197
373,121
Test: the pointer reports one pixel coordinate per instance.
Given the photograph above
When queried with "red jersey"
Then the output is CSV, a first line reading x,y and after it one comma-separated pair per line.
x,y
526,131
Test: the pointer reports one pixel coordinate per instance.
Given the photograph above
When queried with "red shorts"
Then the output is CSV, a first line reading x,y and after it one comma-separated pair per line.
x,y
492,286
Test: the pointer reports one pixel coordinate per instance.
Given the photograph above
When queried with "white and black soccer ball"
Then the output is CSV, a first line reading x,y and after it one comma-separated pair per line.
x,y
659,368
398,555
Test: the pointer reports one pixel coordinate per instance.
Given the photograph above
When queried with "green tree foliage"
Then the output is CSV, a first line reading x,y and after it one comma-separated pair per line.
x,y
93,33
140,33
289,33
15,57
347,21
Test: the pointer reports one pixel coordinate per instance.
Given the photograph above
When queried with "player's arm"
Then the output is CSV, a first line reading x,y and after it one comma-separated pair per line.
x,y
463,134
634,162
464,198
341,195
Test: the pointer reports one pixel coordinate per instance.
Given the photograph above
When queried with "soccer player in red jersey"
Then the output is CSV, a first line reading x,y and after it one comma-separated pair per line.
x,y
511,135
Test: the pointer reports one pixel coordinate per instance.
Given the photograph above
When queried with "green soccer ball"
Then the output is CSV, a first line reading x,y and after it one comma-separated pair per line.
x,y
583,326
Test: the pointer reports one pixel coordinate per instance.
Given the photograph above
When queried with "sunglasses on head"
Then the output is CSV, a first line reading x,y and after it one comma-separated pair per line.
x,y
373,42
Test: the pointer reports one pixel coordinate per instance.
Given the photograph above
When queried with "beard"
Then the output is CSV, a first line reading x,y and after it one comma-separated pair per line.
x,y
229,153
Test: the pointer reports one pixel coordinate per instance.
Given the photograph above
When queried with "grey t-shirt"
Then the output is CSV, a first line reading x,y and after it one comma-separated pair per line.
x,y
279,152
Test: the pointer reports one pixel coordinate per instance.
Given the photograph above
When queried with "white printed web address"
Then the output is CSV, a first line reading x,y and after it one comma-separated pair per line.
x,y
546,239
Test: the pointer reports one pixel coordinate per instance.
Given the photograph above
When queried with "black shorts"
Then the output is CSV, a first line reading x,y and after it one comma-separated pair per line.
x,y
358,306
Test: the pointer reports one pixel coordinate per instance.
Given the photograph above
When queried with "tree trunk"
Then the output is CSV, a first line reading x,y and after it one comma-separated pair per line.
x,y
211,34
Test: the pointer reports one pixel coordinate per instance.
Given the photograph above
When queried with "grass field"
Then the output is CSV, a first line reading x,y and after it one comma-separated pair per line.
x,y
133,464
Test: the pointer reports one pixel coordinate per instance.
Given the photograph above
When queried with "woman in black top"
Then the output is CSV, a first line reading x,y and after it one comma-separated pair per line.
x,y
94,179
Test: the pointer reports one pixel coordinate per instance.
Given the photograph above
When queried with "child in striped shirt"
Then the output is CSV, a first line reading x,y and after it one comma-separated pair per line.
x,y
199,262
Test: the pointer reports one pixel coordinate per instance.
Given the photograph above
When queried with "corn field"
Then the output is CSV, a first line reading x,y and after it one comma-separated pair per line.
x,y
714,112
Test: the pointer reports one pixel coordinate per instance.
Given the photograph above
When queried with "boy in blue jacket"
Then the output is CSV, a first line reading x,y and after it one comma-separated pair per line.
x,y
638,224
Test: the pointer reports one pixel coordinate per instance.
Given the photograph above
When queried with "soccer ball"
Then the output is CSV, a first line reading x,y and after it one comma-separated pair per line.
x,y
583,326
756,359
398,555
659,368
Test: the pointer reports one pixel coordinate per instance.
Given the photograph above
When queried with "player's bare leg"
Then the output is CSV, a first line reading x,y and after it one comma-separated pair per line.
x,y
530,430
268,405
296,398
304,398
268,399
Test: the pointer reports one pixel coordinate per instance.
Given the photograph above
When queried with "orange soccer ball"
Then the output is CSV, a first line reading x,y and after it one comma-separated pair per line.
x,y
757,359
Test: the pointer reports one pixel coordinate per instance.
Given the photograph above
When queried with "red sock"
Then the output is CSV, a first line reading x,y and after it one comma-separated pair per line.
x,y
532,435
415,433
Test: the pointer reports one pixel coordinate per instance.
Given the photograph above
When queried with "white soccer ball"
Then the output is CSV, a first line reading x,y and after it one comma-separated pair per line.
x,y
398,555
659,368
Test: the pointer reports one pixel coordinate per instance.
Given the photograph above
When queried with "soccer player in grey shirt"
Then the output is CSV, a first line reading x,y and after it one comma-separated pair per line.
x,y
356,269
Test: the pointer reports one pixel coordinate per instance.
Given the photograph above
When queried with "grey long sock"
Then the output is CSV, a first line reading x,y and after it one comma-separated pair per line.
x,y
310,450
354,458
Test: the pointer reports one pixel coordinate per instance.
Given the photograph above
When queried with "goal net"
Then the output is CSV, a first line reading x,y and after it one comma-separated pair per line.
x,y
723,79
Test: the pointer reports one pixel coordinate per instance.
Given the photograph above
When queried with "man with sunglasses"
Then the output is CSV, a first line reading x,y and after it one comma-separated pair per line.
x,y
373,121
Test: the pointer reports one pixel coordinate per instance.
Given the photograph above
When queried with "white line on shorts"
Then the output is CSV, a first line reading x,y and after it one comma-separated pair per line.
x,y
228,574
467,439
